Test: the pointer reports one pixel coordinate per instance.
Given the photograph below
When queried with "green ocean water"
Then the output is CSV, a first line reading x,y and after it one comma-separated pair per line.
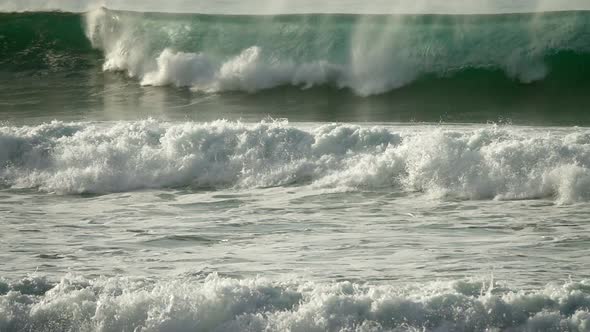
x,y
316,67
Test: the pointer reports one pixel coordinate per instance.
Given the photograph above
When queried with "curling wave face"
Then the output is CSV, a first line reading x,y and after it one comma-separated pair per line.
x,y
222,304
367,54
489,162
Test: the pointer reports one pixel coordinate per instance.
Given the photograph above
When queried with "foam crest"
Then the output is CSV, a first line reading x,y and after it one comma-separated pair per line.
x,y
214,303
487,163
245,72
181,69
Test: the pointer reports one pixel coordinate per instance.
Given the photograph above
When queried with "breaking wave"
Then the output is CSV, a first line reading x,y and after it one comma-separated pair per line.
x,y
215,303
492,162
367,54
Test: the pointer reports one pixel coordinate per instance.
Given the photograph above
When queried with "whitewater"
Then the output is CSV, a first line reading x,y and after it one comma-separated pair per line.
x,y
282,166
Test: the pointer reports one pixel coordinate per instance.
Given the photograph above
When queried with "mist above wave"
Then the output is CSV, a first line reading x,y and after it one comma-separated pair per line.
x,y
301,6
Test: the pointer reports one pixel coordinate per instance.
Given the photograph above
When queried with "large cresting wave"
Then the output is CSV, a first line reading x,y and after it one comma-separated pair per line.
x,y
367,54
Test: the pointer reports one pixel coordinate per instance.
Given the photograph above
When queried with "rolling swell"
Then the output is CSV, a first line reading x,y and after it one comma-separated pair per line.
x,y
367,54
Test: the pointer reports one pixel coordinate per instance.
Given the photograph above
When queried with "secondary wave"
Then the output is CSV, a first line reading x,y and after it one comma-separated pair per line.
x,y
222,304
368,54
486,163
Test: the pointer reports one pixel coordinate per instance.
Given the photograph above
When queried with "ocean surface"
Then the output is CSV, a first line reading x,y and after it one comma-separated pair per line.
x,y
294,172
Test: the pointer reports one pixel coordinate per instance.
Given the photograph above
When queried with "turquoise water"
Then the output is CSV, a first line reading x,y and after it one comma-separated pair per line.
x,y
317,172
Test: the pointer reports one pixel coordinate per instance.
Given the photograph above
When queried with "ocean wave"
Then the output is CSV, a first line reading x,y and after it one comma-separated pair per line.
x,y
366,54
215,303
486,163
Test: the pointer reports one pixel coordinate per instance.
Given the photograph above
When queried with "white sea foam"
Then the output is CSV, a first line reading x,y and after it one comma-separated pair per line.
x,y
245,72
214,303
486,163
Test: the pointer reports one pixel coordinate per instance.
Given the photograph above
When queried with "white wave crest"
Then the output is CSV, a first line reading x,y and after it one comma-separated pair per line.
x,y
221,304
245,72
486,163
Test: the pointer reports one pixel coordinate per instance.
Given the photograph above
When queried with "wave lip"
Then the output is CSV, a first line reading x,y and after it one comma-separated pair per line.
x,y
486,163
222,304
